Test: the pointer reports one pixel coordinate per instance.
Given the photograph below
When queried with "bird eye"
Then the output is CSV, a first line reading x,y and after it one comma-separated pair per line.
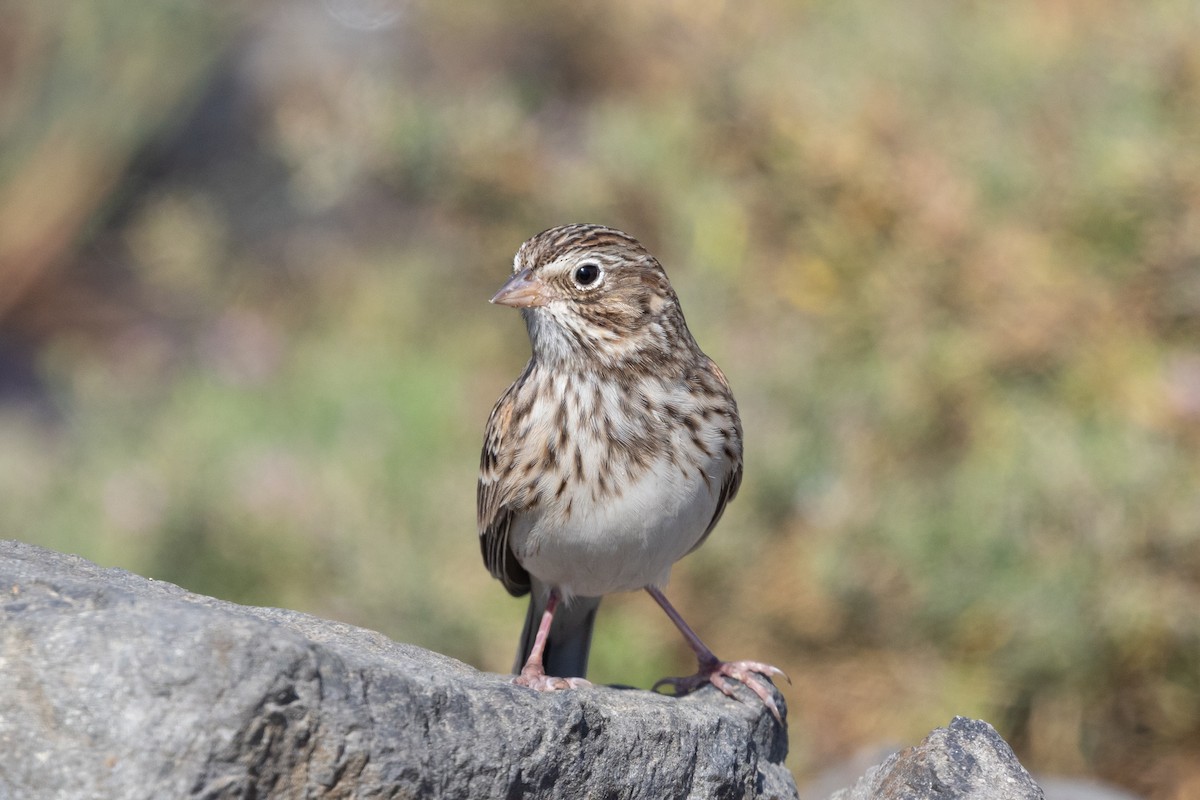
x,y
587,274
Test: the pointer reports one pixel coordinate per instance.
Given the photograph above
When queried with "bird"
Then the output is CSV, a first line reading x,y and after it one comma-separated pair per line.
x,y
612,455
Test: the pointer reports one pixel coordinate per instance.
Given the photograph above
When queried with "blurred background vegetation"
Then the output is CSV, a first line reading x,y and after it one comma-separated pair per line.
x,y
947,253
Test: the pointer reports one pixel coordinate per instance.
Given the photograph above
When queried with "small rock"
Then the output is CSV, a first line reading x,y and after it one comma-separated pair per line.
x,y
965,761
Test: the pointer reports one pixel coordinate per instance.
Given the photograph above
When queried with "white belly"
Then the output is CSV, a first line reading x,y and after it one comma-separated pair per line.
x,y
623,542
608,515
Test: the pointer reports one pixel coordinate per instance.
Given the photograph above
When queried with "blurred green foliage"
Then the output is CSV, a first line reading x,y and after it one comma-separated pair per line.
x,y
948,254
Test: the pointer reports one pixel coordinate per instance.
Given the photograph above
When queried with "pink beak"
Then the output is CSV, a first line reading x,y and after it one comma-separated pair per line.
x,y
522,291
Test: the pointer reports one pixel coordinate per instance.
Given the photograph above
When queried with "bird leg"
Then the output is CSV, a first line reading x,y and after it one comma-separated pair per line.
x,y
533,674
712,669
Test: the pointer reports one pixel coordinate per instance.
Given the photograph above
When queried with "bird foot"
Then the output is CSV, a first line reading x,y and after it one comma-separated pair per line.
x,y
718,674
533,677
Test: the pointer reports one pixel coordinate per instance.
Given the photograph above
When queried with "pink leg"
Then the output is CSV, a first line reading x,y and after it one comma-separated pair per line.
x,y
533,674
712,669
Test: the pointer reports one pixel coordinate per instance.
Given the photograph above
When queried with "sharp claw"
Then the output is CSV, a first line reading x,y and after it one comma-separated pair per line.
x,y
763,669
764,694
769,702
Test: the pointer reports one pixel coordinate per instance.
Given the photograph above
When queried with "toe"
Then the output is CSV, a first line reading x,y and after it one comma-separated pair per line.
x,y
541,682
721,674
764,693
747,673
717,679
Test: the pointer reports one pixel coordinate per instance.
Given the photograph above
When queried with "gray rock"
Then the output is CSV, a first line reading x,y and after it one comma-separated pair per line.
x,y
965,761
116,686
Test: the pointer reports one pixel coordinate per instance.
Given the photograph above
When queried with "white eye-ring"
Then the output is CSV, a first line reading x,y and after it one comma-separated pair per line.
x,y
586,274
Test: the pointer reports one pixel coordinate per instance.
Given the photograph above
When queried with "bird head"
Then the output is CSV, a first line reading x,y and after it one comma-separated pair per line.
x,y
593,292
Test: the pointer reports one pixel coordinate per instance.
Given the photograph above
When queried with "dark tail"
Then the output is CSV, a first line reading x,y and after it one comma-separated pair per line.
x,y
570,639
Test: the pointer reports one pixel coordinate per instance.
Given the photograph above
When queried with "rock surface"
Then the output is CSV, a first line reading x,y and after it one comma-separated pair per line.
x,y
116,686
965,761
